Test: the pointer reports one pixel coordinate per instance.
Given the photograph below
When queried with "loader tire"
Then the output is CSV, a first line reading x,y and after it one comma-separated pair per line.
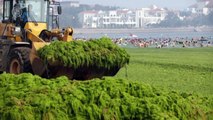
x,y
19,61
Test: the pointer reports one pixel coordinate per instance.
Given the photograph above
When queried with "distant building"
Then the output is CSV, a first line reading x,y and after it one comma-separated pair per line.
x,y
201,7
147,16
122,18
119,19
74,3
88,19
70,3
108,19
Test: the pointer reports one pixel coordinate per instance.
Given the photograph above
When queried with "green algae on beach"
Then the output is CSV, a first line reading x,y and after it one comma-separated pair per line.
x,y
31,97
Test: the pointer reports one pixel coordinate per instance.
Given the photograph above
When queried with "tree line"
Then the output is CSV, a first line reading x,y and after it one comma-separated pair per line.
x,y
172,20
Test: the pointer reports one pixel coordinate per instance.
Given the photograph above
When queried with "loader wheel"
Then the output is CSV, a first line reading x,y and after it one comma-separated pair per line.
x,y
19,61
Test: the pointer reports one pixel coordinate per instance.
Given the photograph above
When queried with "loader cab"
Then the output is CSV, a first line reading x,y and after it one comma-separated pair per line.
x,y
43,11
38,7
33,14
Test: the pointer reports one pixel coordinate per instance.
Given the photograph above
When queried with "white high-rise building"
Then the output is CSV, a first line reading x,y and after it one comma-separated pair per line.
x,y
147,16
108,19
88,19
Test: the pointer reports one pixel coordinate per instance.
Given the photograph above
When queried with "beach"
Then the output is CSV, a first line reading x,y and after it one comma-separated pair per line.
x,y
153,37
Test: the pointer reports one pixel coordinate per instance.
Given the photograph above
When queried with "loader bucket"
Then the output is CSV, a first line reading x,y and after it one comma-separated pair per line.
x,y
83,73
82,60
38,65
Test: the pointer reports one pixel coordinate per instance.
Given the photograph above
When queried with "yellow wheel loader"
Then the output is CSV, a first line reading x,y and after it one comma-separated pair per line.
x,y
24,29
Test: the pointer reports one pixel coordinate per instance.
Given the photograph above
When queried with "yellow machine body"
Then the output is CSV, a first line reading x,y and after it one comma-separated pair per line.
x,y
20,42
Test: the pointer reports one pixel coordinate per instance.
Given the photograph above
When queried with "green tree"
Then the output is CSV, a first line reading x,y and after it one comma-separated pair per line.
x,y
171,20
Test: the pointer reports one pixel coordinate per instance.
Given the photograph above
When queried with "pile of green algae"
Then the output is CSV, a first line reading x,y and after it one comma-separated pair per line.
x,y
30,97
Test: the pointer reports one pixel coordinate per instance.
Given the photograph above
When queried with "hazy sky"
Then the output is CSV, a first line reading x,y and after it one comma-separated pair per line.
x,y
177,4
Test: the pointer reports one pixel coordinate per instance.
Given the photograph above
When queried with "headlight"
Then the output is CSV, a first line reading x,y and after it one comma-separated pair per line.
x,y
17,31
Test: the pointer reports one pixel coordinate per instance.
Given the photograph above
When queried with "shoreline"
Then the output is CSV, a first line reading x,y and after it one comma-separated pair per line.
x,y
144,30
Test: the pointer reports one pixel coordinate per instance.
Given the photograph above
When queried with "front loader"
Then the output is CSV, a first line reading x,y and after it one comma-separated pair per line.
x,y
20,39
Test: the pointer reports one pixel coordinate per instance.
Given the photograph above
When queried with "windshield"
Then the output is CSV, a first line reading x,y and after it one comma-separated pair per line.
x,y
36,9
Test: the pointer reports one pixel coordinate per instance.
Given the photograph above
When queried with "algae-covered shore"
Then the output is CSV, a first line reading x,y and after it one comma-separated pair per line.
x,y
28,97
157,84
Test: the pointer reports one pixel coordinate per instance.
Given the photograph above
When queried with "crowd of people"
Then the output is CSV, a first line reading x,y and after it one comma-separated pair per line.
x,y
165,42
